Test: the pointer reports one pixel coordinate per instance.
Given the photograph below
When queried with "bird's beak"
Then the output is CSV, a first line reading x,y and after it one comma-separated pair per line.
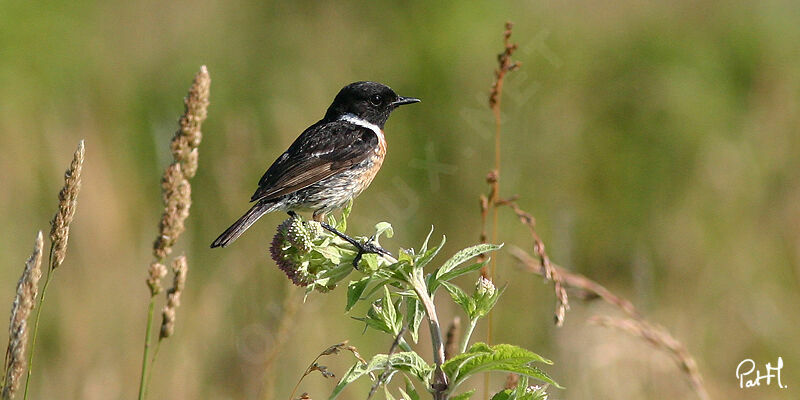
x,y
405,100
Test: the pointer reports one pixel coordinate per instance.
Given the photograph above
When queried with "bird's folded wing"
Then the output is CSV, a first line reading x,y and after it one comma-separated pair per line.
x,y
323,150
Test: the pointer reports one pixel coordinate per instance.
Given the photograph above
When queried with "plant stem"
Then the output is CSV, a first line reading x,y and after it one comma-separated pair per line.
x,y
152,364
145,364
467,334
404,345
439,384
36,325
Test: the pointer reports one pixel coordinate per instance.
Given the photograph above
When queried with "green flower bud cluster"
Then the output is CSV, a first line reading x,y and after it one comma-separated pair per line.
x,y
315,258
484,298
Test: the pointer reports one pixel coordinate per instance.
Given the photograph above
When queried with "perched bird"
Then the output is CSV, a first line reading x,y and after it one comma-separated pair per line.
x,y
330,163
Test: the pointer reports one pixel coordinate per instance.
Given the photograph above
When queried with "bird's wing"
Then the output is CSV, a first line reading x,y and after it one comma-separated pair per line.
x,y
324,149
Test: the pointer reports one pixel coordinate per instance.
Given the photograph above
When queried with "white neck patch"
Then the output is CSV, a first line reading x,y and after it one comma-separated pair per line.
x,y
360,122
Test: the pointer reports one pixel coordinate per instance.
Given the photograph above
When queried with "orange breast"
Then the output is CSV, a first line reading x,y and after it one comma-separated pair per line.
x,y
377,161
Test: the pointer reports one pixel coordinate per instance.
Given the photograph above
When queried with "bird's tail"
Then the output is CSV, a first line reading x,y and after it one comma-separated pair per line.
x,y
241,225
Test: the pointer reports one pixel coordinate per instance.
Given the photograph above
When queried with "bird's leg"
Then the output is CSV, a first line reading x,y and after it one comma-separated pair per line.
x,y
363,248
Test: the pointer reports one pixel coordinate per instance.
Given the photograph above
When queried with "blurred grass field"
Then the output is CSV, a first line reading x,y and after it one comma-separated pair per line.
x,y
658,145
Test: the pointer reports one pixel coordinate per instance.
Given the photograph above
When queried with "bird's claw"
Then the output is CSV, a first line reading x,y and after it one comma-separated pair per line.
x,y
367,248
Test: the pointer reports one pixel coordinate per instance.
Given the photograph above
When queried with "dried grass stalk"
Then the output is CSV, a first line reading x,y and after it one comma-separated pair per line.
x,y
505,65
155,274
660,339
175,187
176,194
547,269
589,288
179,269
636,325
27,289
67,202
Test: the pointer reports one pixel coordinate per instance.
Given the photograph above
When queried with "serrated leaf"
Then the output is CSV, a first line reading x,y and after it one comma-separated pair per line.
x,y
414,313
411,391
426,256
459,297
379,283
409,362
354,291
456,272
506,394
369,263
433,283
464,396
342,225
405,255
405,395
502,357
464,255
389,312
483,305
382,228
522,392
424,247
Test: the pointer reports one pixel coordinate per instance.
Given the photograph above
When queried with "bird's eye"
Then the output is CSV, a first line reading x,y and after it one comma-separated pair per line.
x,y
376,100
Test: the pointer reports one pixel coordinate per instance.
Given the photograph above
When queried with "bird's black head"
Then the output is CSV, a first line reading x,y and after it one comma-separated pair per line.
x,y
370,101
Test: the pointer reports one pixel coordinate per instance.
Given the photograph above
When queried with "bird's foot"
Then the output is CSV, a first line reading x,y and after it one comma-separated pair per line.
x,y
363,248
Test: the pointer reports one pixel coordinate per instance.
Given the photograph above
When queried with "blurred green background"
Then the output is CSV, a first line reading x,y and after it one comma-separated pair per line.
x,y
658,145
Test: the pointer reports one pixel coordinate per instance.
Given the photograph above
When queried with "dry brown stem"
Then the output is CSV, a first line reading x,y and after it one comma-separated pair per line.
x,y
590,288
388,370
452,339
27,289
511,381
505,65
331,350
659,338
67,202
549,271
636,325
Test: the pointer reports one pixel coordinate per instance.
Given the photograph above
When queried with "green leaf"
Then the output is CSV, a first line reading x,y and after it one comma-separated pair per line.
x,y
384,315
424,247
379,283
502,357
506,394
414,313
466,302
371,261
389,312
522,392
464,255
342,225
354,291
405,255
410,391
456,272
383,228
464,396
434,283
409,362
426,256
484,304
